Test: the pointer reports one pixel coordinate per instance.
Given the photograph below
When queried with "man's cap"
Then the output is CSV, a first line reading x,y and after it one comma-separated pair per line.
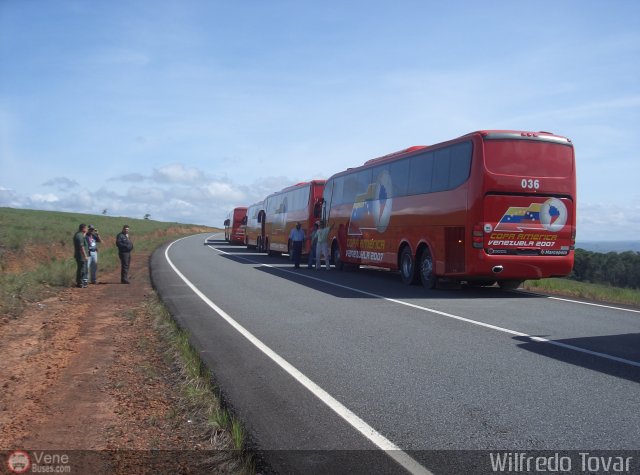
x,y
91,226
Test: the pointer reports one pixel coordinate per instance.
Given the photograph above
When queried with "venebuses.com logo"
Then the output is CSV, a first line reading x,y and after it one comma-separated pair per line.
x,y
18,461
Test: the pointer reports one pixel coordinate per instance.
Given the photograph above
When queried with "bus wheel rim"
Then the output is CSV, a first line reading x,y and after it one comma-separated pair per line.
x,y
427,267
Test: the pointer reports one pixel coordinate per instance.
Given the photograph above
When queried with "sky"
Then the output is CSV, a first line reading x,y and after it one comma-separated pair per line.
x,y
186,109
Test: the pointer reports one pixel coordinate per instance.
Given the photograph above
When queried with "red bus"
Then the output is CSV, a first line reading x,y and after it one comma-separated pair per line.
x,y
254,230
234,225
490,206
298,203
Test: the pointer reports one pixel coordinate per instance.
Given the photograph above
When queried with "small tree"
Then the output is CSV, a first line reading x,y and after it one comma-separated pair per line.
x,y
147,216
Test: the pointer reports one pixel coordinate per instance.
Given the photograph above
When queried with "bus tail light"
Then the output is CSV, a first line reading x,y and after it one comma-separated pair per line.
x,y
477,240
573,239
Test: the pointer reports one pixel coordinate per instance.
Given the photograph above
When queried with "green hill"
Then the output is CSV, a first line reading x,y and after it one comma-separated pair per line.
x,y
36,250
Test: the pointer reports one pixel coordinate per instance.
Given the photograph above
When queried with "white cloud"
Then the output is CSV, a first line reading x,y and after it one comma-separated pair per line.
x,y
130,177
153,196
608,222
61,183
177,173
9,198
44,198
224,191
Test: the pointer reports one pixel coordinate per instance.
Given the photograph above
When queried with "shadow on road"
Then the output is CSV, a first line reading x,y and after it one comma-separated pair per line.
x,y
625,346
374,281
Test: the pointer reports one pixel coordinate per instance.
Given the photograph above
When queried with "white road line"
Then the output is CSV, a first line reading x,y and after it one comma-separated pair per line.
x,y
536,339
392,450
592,304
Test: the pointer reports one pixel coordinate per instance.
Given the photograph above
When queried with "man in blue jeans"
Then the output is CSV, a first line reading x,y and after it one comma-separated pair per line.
x,y
297,238
314,241
93,238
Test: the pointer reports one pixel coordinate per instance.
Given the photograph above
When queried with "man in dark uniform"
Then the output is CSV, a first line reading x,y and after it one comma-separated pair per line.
x,y
81,254
125,246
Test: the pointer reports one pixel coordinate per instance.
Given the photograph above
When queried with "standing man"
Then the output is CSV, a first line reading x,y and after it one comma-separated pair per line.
x,y
314,243
93,238
81,254
125,246
297,241
322,246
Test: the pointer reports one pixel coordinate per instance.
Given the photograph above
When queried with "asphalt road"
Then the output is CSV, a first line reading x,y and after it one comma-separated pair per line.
x,y
327,369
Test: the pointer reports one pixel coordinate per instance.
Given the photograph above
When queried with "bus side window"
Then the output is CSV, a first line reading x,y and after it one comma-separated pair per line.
x,y
421,174
400,177
336,196
460,164
441,165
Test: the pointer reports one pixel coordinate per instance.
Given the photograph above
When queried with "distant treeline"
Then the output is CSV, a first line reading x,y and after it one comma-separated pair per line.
x,y
612,268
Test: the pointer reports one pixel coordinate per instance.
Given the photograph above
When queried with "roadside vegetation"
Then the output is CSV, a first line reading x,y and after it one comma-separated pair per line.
x,y
585,290
612,268
199,391
610,277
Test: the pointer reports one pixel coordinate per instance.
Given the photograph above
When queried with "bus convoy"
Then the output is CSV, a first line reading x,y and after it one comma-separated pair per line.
x,y
490,206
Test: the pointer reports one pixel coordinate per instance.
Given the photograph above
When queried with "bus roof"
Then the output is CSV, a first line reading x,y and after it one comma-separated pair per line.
x,y
239,208
389,156
298,185
523,135
485,134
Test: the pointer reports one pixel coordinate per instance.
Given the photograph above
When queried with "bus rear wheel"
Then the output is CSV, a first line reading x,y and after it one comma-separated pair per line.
x,y
427,277
408,267
509,284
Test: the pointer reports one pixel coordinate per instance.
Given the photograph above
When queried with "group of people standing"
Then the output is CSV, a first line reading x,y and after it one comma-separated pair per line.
x,y
319,247
85,244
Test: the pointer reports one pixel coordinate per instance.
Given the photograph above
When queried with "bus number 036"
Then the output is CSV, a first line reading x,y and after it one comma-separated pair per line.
x,y
530,184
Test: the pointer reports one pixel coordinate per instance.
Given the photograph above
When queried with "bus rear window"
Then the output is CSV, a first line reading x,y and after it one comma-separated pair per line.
x,y
520,157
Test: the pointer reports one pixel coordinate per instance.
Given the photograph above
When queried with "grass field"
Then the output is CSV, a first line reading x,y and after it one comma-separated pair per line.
x,y
36,250
585,290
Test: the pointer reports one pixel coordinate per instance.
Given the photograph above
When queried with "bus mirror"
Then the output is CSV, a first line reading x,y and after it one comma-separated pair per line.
x,y
226,222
